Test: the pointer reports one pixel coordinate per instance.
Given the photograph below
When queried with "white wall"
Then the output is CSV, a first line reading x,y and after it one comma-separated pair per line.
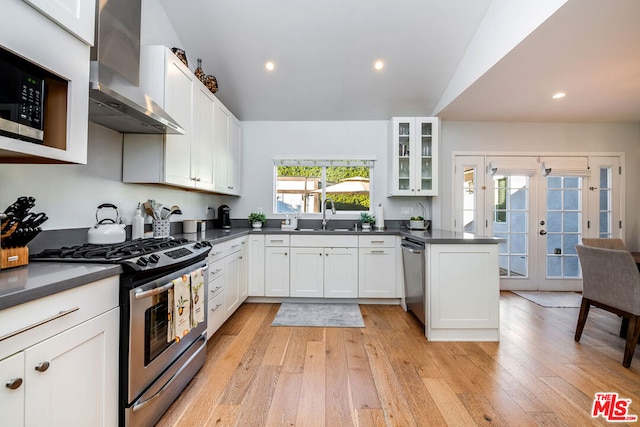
x,y
70,194
333,139
533,138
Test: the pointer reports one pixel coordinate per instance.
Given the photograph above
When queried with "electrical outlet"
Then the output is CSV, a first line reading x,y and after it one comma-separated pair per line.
x,y
407,210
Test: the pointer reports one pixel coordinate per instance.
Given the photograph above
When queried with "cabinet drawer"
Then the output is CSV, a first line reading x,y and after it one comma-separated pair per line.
x,y
215,317
235,245
217,252
377,241
325,241
277,240
216,286
26,324
216,269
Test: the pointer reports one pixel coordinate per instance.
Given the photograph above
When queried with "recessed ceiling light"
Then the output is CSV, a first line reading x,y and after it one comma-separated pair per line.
x,y
559,95
270,66
378,65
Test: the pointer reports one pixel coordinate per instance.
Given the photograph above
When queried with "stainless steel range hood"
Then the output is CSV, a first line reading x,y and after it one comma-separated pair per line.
x,y
115,98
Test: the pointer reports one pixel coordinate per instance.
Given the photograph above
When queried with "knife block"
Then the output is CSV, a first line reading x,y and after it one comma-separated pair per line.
x,y
14,257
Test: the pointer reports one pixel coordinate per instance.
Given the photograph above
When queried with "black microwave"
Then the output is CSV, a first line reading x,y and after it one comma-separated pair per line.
x,y
22,98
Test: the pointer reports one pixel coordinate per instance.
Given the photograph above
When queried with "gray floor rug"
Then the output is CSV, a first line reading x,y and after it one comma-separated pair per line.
x,y
321,315
552,299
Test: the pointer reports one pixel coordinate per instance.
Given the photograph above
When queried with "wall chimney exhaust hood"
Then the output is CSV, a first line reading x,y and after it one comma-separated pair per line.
x,y
115,98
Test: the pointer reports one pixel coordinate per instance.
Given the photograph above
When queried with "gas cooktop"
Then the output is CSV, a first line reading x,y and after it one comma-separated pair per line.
x,y
139,254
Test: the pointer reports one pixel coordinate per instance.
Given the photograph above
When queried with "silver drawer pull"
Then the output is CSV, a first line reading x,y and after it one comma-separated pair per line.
x,y
216,253
42,366
216,307
14,383
377,241
377,252
235,246
216,271
274,241
40,323
216,289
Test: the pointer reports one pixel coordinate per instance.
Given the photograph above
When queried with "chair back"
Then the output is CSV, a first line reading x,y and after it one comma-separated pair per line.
x,y
612,243
610,276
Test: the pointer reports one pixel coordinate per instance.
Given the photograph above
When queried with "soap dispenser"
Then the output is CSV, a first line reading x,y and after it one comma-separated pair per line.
x,y
137,225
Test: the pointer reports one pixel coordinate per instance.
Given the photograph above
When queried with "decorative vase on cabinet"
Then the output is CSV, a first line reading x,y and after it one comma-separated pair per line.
x,y
414,150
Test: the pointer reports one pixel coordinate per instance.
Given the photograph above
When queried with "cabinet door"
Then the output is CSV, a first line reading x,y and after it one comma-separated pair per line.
x,y
341,273
202,139
377,273
235,153
12,393
179,105
402,172
255,268
221,152
307,272
216,316
276,272
77,17
231,283
426,155
80,385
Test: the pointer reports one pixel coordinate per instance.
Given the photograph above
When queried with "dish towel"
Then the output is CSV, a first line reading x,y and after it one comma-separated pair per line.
x,y
197,297
181,306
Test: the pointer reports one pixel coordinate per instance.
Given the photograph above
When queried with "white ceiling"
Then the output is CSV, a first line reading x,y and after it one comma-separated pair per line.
x,y
324,53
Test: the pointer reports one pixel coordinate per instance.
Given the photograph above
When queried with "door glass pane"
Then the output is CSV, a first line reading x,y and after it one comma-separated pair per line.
x,y
510,222
564,226
404,163
605,214
469,200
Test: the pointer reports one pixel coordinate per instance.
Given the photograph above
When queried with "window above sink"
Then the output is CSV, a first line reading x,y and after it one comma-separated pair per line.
x,y
302,184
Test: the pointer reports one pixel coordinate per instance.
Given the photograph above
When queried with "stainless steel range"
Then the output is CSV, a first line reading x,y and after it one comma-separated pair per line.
x,y
153,368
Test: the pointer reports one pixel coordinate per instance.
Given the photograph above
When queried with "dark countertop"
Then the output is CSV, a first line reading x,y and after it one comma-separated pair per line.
x,y
40,279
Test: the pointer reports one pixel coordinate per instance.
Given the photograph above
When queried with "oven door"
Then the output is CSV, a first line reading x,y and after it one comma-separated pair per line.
x,y
150,354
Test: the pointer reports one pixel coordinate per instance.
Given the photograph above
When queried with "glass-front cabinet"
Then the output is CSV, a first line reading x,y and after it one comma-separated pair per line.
x,y
414,150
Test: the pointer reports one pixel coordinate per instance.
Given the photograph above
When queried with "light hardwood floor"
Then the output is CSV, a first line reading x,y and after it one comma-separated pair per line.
x,y
388,374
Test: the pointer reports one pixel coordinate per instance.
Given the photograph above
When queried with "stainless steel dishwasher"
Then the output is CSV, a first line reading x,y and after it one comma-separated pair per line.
x,y
413,258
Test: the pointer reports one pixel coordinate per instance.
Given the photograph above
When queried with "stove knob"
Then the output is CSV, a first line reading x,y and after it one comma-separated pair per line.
x,y
154,258
197,245
142,261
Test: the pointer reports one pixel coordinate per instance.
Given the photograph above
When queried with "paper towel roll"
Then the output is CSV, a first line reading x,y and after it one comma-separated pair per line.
x,y
379,217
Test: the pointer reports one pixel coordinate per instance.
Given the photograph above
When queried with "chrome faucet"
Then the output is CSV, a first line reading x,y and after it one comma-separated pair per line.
x,y
324,211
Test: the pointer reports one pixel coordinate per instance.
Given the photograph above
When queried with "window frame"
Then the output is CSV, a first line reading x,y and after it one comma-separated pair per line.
x,y
323,163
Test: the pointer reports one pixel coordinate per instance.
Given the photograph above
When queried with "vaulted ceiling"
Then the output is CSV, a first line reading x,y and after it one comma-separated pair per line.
x,y
324,53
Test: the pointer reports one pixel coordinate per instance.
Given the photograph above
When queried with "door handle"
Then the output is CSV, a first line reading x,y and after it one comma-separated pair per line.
x,y
542,232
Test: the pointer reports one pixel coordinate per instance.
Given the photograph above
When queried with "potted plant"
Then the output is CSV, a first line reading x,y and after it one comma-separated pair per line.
x,y
416,223
367,219
256,219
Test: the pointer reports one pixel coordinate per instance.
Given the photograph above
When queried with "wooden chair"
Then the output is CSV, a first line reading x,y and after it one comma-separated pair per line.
x,y
611,281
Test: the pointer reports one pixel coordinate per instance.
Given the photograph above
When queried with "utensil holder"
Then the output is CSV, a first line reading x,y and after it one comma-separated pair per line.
x,y
161,227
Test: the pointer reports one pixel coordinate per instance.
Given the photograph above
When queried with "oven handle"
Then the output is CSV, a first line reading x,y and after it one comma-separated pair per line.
x,y
140,406
158,290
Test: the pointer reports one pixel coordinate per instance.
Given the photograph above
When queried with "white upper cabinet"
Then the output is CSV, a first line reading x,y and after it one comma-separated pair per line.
x,y
207,156
414,154
37,39
75,16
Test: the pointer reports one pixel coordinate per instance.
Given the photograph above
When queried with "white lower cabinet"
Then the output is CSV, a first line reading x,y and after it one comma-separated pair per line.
x,y
324,266
63,371
377,261
276,265
462,304
255,265
227,285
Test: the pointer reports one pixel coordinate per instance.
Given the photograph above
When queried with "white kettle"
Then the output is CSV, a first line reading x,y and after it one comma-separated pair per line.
x,y
107,230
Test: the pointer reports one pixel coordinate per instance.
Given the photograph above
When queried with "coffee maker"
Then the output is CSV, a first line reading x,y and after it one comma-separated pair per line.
x,y
224,216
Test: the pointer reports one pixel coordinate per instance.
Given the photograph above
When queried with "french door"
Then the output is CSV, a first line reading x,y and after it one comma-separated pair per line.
x,y
541,207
